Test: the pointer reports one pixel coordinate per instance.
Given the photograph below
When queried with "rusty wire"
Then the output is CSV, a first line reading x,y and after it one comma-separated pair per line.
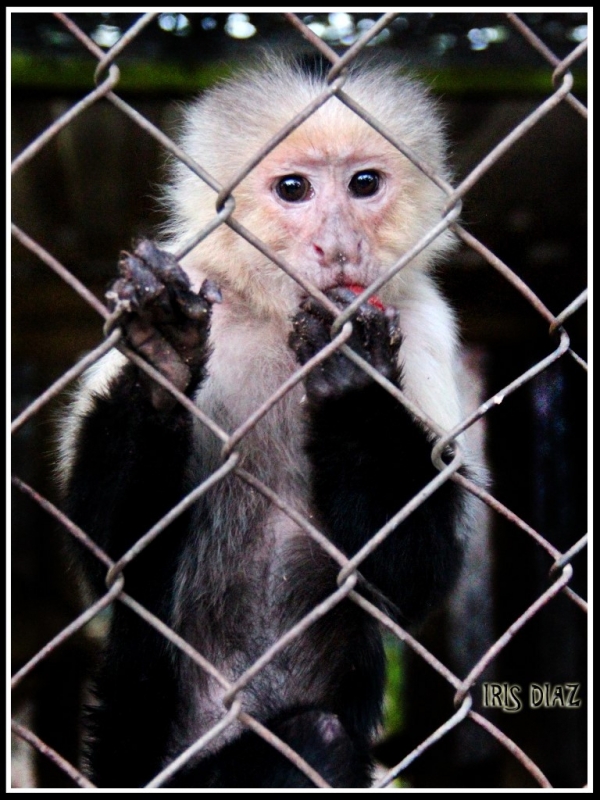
x,y
349,580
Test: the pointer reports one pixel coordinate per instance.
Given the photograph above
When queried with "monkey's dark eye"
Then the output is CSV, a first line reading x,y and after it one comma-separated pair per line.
x,y
293,188
364,184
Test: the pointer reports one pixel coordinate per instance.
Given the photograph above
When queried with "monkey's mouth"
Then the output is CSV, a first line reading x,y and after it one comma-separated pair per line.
x,y
358,288
353,285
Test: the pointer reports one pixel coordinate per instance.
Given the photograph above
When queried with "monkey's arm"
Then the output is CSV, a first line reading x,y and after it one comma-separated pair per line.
x,y
369,457
128,449
127,445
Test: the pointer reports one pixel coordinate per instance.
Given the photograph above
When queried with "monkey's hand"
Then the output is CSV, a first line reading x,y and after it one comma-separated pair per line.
x,y
163,319
375,336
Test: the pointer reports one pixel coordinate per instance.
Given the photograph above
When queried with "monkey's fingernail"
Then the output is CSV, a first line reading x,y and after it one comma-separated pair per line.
x,y
211,292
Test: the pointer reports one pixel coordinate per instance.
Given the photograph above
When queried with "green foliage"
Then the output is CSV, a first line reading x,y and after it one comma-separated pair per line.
x,y
393,717
34,71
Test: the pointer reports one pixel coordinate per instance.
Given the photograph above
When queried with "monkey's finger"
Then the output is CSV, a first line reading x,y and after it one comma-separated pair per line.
x,y
312,306
394,331
309,335
163,264
341,296
211,291
368,321
196,307
149,343
184,304
137,282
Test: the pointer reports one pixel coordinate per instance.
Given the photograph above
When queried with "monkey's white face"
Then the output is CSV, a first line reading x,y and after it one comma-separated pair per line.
x,y
339,207
325,213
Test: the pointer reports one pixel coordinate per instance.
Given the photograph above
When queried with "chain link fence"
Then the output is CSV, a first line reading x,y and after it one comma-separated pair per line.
x,y
561,572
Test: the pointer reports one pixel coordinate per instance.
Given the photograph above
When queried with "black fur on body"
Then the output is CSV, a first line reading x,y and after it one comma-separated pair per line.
x,y
231,575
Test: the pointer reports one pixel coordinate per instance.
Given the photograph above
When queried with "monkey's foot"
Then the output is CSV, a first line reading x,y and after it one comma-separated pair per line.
x,y
162,318
375,336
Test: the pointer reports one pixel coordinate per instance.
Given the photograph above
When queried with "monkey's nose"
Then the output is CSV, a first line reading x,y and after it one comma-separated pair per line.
x,y
336,258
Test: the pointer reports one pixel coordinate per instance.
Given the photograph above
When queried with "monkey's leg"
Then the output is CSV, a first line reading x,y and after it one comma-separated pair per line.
x,y
128,469
369,457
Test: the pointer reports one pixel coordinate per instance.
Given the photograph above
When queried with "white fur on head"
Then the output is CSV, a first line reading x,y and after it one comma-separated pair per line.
x,y
225,128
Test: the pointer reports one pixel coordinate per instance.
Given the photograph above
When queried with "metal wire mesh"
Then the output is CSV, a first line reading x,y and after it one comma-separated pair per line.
x,y
107,82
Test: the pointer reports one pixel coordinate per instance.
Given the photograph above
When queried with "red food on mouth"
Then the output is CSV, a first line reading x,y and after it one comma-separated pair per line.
x,y
373,300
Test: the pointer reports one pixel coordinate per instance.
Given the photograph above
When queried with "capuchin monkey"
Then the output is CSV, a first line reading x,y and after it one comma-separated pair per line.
x,y
233,573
